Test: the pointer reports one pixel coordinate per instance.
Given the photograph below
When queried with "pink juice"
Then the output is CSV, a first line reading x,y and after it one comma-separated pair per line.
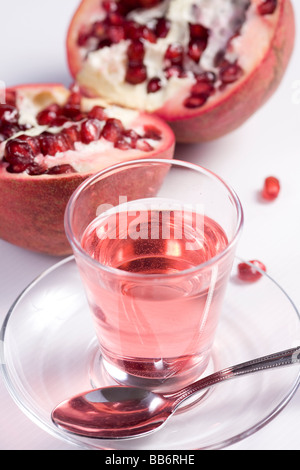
x,y
157,311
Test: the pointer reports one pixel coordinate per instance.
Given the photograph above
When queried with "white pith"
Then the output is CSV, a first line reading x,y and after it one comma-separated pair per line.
x,y
103,71
85,158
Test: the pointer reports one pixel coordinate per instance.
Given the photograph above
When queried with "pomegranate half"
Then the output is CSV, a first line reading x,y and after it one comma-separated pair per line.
x,y
204,66
51,140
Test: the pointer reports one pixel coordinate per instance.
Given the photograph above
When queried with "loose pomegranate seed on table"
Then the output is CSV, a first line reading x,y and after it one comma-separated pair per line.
x,y
251,272
271,188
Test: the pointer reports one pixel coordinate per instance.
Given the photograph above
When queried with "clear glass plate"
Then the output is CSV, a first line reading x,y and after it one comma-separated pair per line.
x,y
49,353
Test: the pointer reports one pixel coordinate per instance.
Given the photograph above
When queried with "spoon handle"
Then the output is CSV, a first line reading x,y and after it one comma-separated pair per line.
x,y
279,359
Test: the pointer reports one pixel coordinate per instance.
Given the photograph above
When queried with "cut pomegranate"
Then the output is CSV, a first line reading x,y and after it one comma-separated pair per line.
x,y
41,163
165,46
271,188
252,271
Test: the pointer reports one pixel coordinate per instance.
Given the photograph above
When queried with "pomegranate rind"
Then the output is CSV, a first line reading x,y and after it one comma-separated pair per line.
x,y
235,105
32,207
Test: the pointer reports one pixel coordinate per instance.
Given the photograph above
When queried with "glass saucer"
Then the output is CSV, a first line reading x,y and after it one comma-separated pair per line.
x,y
48,353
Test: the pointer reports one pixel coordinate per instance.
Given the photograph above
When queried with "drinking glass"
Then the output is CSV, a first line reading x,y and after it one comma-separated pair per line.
x,y
154,242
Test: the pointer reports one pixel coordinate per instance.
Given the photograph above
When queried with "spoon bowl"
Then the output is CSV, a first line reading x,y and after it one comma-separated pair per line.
x,y
126,412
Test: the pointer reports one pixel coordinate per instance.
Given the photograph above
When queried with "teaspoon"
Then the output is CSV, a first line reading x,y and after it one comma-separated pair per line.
x,y
124,412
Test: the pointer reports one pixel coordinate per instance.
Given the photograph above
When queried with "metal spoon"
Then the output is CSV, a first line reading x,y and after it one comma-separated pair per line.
x,y
122,412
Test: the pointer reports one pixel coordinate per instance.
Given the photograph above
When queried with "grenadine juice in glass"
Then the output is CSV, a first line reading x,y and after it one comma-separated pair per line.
x,y
155,264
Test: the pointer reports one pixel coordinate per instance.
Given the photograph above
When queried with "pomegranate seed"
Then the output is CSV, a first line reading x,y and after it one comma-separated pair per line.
x,y
207,76
71,111
196,49
231,73
154,85
148,3
116,34
250,273
133,4
104,43
173,71
136,52
136,75
122,144
75,95
153,133
8,113
271,188
109,6
97,112
195,101
84,37
148,34
132,30
61,169
11,97
203,87
59,121
90,131
7,130
51,144
48,115
174,54
19,154
33,142
112,130
131,136
99,30
72,133
162,27
144,146
35,169
197,31
267,7
114,19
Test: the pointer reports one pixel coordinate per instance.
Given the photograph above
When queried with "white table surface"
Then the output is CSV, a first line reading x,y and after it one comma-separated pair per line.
x,y
32,38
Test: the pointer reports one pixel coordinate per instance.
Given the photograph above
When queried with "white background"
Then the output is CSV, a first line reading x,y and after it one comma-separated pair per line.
x,y
32,49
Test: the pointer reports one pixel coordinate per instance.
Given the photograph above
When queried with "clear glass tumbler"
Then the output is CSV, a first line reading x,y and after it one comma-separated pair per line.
x,y
154,241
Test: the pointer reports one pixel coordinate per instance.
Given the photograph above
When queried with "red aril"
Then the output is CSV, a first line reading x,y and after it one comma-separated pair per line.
x,y
41,165
246,44
271,188
90,131
252,271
